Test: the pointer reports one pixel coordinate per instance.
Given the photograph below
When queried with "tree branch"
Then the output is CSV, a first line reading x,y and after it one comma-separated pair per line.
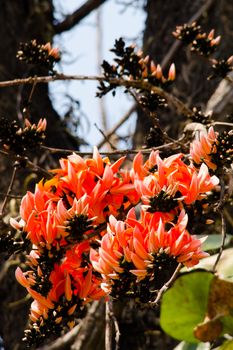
x,y
166,285
118,125
73,19
110,153
172,100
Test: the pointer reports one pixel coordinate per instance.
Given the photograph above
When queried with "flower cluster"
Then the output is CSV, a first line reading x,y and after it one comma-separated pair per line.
x,y
143,253
213,149
202,43
59,220
21,139
132,65
42,55
88,239
205,45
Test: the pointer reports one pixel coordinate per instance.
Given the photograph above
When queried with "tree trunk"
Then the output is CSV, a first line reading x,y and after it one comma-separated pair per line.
x,y
22,21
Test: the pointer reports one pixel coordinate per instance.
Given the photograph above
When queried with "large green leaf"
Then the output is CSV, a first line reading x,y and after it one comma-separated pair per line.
x,y
228,345
224,267
214,242
184,305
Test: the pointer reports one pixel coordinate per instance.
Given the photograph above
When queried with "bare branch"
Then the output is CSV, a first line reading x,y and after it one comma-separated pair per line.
x,y
172,101
68,339
166,285
107,140
224,234
108,326
118,125
8,191
223,223
110,153
73,19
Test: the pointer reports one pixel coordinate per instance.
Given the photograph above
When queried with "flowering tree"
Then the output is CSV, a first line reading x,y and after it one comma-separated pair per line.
x,y
98,228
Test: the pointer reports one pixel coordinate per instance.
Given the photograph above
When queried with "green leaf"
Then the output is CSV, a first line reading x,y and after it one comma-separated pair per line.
x,y
227,322
184,305
224,267
214,242
228,345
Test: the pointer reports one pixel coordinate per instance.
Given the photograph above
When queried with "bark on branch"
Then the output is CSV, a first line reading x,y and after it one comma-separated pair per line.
x,y
73,19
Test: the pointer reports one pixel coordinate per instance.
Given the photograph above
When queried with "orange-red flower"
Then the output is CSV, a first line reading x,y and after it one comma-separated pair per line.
x,y
143,248
202,148
84,196
170,182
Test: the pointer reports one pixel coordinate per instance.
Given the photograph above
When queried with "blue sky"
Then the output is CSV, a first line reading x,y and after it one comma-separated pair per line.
x,y
79,47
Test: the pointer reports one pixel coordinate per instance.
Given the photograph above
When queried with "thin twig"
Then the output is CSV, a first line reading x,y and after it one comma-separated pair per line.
x,y
8,191
223,234
6,266
16,196
20,302
222,123
26,111
38,169
223,223
166,285
117,331
110,153
29,164
119,124
105,137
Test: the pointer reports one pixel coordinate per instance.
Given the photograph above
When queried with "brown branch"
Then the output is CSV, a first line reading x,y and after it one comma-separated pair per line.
x,y
118,125
224,235
29,164
26,110
16,196
108,326
107,140
136,84
110,153
166,286
91,334
6,266
223,223
74,18
68,339
8,191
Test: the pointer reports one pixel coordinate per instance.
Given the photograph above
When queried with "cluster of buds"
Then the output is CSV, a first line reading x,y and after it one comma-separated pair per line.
x,y
42,55
152,72
21,139
132,65
200,42
221,67
199,117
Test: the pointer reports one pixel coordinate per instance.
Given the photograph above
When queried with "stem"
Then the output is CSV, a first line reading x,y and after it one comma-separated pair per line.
x,y
8,191
166,285
108,326
223,233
